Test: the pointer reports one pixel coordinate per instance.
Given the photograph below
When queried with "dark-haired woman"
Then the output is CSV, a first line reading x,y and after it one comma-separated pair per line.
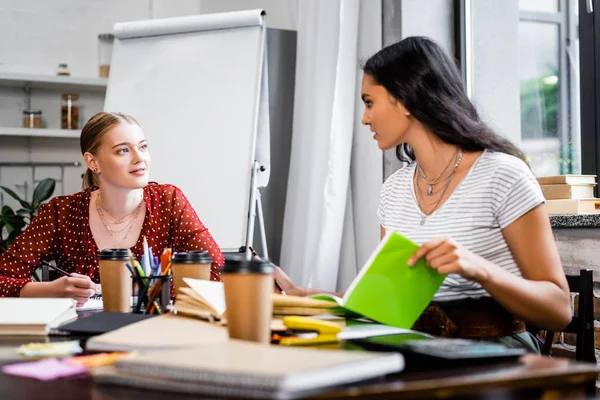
x,y
466,196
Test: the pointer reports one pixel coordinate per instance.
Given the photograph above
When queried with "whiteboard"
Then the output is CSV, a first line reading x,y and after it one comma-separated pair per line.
x,y
195,84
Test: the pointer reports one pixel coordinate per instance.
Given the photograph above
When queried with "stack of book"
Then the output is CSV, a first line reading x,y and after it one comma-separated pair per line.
x,y
570,194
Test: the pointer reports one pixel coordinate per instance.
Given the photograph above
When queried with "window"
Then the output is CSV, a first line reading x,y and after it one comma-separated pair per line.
x,y
520,60
549,91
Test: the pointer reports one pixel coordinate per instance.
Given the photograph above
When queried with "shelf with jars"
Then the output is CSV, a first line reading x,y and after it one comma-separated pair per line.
x,y
42,116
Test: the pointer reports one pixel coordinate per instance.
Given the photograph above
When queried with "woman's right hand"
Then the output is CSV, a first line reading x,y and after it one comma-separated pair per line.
x,y
75,286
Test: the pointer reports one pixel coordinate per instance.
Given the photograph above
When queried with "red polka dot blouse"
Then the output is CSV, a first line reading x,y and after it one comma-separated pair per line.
x,y
61,232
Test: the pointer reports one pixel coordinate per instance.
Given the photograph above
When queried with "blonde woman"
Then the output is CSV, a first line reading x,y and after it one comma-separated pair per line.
x,y
117,207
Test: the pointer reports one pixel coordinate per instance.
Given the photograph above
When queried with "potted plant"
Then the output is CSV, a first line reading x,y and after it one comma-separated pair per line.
x,y
13,223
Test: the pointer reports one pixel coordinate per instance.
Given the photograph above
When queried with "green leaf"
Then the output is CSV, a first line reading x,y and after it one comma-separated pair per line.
x,y
11,237
15,196
43,191
13,223
6,210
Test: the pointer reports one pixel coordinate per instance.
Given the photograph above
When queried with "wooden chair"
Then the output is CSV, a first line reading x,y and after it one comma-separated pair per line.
x,y
582,324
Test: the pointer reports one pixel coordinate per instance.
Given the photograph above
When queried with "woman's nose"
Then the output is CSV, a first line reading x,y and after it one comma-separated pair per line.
x,y
365,119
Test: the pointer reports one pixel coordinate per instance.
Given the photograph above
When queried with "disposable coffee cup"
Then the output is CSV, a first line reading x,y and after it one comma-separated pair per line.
x,y
248,290
190,264
115,279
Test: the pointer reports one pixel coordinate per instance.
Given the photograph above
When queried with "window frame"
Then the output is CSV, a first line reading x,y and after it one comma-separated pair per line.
x,y
589,62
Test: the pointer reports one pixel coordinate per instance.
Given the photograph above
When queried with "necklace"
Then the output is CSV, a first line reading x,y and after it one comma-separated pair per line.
x,y
437,179
121,220
419,197
129,226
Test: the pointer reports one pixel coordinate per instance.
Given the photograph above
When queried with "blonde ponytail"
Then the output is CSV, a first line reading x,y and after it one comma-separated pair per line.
x,y
88,179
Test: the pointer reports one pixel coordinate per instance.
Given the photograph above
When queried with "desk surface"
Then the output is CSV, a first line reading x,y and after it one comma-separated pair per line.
x,y
531,377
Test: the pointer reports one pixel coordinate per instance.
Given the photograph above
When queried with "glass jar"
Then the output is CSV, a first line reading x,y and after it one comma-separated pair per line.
x,y
69,111
105,46
32,118
63,70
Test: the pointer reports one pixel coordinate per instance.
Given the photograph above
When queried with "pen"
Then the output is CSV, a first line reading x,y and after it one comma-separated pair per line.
x,y
277,284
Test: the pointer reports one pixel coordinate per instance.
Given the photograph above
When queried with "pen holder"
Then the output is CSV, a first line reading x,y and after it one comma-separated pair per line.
x,y
153,293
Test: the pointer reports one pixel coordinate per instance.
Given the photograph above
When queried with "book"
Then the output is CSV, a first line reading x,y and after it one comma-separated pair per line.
x,y
102,322
161,332
206,300
231,369
566,191
34,316
573,206
567,179
387,290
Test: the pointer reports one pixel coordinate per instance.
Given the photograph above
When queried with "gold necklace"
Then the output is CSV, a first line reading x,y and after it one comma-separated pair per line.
x,y
124,218
110,231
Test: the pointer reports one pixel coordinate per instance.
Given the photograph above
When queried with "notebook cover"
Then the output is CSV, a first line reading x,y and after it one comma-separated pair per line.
x,y
162,332
387,290
102,322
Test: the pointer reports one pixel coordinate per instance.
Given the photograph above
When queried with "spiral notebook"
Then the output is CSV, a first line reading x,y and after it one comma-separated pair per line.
x,y
231,369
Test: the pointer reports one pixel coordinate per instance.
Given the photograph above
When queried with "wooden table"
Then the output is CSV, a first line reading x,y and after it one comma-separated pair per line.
x,y
533,377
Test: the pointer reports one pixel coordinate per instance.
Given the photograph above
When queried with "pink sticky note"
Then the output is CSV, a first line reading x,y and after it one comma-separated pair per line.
x,y
45,370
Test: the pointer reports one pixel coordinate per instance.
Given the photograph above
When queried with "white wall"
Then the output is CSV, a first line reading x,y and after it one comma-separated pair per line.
x,y
37,35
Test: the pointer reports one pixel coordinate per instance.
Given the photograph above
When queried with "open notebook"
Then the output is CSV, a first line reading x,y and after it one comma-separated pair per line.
x,y
206,300
95,304
231,369
34,316
386,289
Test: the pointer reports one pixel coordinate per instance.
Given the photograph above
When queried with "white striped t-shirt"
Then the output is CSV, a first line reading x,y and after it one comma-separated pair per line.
x,y
497,190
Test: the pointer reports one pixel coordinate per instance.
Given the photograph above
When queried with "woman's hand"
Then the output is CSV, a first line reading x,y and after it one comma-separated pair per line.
x,y
446,256
75,286
287,284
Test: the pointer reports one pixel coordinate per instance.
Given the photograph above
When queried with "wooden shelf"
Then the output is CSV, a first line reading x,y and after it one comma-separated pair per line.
x,y
53,82
30,132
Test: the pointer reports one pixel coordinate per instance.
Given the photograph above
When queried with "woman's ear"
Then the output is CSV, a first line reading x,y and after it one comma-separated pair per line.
x,y
90,160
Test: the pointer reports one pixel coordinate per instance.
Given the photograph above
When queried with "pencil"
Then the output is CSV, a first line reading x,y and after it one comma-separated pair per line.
x,y
65,273
61,271
277,284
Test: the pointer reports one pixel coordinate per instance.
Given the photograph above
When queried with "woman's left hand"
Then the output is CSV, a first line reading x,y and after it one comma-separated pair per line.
x,y
448,257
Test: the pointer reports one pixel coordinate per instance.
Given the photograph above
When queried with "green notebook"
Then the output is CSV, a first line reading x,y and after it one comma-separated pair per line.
x,y
387,290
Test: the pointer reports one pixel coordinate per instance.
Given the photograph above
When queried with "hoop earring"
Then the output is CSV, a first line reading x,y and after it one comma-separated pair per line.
x,y
96,170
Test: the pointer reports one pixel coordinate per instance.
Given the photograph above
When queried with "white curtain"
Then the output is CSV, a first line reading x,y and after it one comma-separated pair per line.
x,y
330,226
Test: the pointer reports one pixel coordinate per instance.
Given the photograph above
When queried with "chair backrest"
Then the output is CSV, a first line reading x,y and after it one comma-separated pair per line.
x,y
582,324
